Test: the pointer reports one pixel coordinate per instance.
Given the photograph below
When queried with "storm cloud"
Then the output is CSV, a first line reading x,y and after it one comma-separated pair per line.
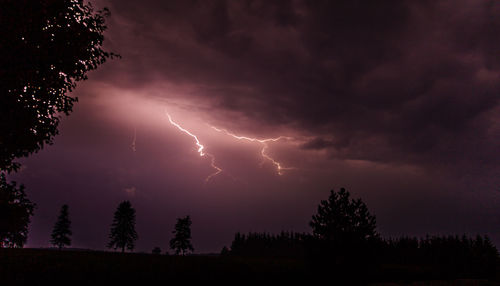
x,y
393,81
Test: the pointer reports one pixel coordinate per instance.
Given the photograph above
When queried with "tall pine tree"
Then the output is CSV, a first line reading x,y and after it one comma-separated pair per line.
x,y
123,234
62,232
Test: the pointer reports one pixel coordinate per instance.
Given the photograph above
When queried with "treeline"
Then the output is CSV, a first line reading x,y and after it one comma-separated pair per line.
x,y
285,244
404,250
451,256
344,241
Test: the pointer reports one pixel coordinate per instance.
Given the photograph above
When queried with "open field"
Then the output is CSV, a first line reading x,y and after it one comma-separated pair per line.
x,y
37,267
26,266
457,282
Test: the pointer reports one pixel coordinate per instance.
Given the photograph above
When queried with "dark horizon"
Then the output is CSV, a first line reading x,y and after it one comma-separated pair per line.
x,y
396,101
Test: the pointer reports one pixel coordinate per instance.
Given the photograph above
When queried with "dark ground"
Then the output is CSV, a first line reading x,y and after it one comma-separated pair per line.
x,y
72,267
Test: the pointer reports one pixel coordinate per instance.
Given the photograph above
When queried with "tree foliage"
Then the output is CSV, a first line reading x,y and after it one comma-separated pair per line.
x,y
343,220
15,213
123,234
46,46
62,232
181,242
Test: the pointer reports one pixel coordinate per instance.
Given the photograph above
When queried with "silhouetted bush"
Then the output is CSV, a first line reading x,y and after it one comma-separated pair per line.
x,y
224,251
156,250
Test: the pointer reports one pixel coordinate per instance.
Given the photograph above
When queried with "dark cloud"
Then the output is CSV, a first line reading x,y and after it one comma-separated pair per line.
x,y
398,75
317,143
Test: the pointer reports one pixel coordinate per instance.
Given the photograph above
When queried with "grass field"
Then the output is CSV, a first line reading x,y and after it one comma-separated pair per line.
x,y
33,266
69,267
456,282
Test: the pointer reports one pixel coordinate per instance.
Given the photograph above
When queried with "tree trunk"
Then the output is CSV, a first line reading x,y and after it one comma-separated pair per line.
x,y
123,249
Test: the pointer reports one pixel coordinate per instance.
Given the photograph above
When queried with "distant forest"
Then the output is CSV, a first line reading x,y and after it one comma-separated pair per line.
x,y
345,242
441,256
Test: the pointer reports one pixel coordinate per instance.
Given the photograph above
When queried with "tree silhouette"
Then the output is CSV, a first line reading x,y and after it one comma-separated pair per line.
x,y
343,220
156,250
62,232
181,242
345,240
224,251
46,47
123,234
15,213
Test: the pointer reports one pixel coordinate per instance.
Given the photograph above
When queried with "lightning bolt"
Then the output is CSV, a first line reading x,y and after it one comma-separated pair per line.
x,y
265,146
133,141
200,149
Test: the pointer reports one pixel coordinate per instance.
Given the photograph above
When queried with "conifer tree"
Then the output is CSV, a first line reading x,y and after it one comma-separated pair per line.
x,y
62,232
123,234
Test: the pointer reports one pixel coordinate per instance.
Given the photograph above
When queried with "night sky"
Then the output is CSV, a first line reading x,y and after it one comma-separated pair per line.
x,y
397,101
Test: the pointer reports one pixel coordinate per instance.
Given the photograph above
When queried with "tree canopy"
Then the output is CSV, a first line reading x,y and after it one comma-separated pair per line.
x,y
46,46
181,242
15,213
123,234
62,232
343,220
